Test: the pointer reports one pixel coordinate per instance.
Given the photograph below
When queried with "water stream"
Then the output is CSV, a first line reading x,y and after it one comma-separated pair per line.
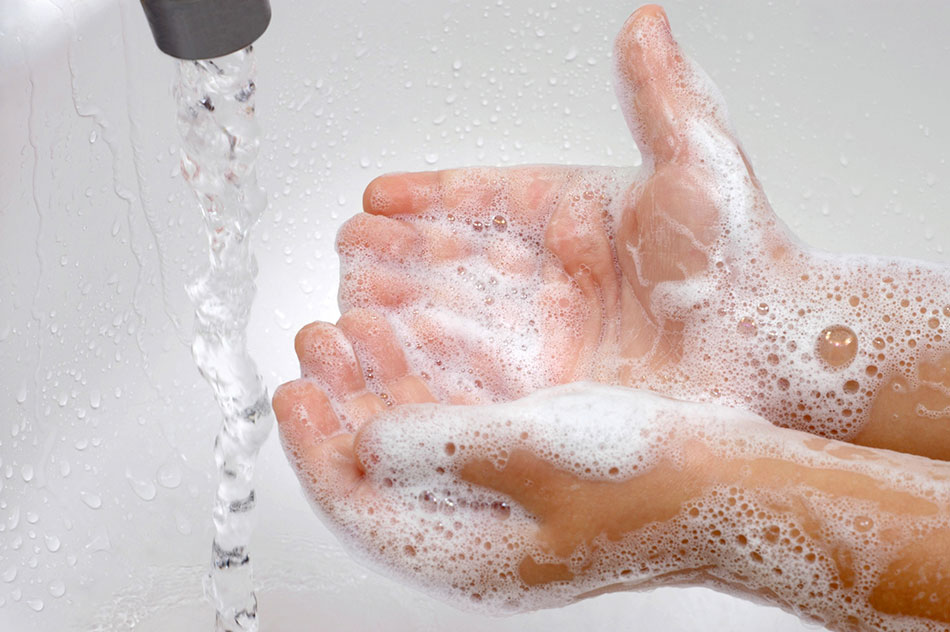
x,y
220,140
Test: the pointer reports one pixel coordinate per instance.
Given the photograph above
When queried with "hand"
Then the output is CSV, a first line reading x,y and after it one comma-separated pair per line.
x,y
504,506
678,278
584,488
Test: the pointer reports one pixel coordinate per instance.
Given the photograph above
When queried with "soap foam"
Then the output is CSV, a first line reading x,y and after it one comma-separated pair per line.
x,y
501,320
479,329
464,543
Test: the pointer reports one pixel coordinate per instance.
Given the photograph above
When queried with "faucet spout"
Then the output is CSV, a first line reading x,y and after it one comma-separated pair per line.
x,y
204,29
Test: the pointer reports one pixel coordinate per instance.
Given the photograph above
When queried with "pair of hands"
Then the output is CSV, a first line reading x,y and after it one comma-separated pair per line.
x,y
473,287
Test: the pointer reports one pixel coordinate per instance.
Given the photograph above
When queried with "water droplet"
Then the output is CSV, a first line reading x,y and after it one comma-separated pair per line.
x,y
281,319
27,472
35,604
100,541
95,398
93,501
57,588
21,393
747,326
93,136
571,54
500,510
169,475
182,523
10,574
457,64
144,489
837,345
13,519
432,158
52,543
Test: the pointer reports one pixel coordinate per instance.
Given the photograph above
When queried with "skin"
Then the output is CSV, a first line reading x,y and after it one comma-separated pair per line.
x,y
608,251
358,368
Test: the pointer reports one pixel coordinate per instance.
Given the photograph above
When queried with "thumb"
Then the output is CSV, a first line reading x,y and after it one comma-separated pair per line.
x,y
669,103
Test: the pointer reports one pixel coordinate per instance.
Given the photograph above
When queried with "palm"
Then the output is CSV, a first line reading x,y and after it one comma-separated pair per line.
x,y
677,278
499,282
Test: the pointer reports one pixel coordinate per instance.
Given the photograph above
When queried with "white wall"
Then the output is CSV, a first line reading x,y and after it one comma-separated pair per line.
x,y
105,427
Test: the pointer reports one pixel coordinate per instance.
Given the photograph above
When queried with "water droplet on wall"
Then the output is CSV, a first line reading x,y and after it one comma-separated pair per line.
x,y
182,523
144,489
52,543
93,501
169,475
57,588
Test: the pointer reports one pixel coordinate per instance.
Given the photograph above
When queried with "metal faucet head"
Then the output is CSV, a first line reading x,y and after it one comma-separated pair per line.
x,y
205,29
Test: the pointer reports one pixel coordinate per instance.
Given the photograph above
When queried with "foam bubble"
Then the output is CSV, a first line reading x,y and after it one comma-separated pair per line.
x,y
812,550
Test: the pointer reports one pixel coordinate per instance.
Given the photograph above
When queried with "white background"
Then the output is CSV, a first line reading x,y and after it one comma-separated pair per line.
x,y
841,106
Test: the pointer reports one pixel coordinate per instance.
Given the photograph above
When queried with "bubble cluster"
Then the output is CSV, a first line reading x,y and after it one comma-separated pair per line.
x,y
516,282
813,551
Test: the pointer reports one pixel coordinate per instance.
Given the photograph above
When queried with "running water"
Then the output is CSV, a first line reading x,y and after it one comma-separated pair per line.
x,y
220,140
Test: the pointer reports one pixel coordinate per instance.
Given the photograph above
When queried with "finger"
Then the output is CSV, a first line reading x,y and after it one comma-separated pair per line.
x,y
327,356
382,355
402,193
303,409
663,94
380,238
375,287
465,193
324,461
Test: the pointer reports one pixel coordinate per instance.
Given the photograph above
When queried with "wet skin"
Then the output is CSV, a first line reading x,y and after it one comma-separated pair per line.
x,y
354,370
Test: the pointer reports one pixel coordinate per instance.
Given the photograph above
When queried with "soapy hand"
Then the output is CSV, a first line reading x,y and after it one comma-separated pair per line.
x,y
466,290
498,507
677,277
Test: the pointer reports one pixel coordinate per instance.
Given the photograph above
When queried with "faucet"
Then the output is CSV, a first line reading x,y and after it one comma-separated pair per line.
x,y
204,29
